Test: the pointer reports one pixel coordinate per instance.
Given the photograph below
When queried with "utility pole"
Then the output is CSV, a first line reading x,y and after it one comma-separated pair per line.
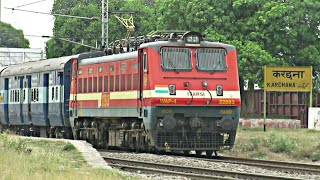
x,y
105,21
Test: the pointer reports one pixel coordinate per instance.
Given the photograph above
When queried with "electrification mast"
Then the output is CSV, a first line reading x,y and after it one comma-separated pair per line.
x,y
105,21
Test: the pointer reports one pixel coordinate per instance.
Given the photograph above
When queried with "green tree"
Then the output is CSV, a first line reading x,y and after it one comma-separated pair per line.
x,y
265,32
11,37
73,29
88,31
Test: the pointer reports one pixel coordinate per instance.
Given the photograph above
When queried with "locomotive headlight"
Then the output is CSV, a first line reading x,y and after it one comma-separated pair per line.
x,y
186,85
205,84
172,89
161,122
219,90
194,39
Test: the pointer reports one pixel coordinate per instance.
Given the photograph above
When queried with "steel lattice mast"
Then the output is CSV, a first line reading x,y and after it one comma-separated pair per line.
x,y
105,21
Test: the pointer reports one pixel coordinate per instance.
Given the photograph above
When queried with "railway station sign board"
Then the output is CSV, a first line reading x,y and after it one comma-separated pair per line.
x,y
297,79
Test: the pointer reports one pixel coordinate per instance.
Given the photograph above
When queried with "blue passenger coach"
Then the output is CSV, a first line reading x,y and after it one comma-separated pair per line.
x,y
35,97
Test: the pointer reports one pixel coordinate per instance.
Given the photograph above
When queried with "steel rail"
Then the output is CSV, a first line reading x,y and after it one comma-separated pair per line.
x,y
201,173
268,164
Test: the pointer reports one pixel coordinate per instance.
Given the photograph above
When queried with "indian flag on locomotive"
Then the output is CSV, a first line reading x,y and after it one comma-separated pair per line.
x,y
161,88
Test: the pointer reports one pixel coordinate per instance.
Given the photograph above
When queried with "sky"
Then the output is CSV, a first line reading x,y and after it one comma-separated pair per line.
x,y
30,23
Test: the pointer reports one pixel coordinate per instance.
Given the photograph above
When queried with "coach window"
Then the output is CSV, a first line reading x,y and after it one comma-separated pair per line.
x,y
129,82
37,94
85,85
135,81
135,65
123,67
145,62
90,85
117,83
95,79
15,95
80,71
52,93
111,68
106,84
24,95
80,85
111,83
100,84
32,94
100,70
57,93
123,82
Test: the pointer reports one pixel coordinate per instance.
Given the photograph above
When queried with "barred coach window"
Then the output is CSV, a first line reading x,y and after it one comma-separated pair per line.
x,y
211,59
176,58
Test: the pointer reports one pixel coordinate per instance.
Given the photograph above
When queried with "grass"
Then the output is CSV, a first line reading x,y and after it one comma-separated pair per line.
x,y
277,144
22,158
39,159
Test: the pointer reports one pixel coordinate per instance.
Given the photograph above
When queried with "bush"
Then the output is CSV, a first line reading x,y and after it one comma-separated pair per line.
x,y
252,145
281,143
12,143
68,147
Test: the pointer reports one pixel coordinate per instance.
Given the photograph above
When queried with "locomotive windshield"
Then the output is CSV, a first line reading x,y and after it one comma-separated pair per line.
x,y
210,59
176,58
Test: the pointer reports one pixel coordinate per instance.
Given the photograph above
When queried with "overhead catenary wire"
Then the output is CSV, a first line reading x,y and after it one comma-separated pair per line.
x,y
30,3
47,36
62,39
54,14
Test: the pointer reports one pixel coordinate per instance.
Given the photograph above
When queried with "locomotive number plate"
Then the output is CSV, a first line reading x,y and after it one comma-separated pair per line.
x,y
168,101
225,101
225,111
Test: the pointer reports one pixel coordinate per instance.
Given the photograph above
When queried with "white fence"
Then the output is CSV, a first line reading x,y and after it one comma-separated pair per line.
x,y
19,55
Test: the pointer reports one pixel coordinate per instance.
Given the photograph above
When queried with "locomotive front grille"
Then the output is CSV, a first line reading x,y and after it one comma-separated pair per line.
x,y
192,140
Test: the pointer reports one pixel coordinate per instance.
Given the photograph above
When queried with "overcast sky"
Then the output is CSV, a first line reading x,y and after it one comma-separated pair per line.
x,y
30,23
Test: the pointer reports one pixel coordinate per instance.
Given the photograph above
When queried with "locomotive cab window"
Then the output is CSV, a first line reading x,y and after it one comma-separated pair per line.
x,y
176,59
211,59
145,62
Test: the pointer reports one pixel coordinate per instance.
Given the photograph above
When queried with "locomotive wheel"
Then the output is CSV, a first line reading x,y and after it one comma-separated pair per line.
x,y
209,153
198,153
186,152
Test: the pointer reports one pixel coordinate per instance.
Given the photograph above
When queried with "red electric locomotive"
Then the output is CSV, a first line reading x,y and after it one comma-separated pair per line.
x,y
176,92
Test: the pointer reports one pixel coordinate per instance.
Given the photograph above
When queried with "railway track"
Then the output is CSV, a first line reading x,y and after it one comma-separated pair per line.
x,y
185,171
272,165
288,167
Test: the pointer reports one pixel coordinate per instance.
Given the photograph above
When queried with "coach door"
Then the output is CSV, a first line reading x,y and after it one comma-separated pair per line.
x,y
46,97
6,100
26,105
74,89
21,98
143,68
